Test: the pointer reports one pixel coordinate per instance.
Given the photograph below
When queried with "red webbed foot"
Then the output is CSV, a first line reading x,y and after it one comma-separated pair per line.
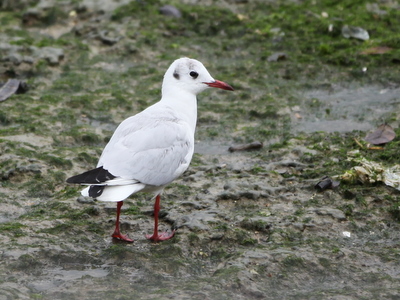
x,y
162,236
121,237
117,234
157,237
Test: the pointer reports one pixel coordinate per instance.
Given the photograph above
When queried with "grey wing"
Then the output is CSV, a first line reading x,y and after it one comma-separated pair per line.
x,y
152,151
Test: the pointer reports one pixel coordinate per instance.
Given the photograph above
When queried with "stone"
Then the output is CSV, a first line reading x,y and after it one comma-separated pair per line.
x,y
171,11
333,212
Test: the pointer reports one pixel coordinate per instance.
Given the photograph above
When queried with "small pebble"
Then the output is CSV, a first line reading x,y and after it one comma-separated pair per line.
x,y
171,11
85,200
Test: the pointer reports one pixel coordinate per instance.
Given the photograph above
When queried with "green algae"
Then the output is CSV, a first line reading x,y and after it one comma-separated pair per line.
x,y
15,229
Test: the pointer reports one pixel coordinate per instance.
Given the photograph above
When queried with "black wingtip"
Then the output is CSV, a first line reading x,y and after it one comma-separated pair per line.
x,y
96,190
73,179
94,176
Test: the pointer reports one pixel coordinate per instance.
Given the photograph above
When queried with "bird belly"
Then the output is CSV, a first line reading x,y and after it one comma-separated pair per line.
x,y
115,193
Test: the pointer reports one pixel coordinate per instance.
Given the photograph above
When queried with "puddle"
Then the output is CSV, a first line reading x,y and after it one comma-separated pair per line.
x,y
103,5
72,274
347,109
4,219
29,138
59,276
212,148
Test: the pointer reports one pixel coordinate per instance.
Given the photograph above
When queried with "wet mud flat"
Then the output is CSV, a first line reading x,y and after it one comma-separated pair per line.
x,y
240,234
250,224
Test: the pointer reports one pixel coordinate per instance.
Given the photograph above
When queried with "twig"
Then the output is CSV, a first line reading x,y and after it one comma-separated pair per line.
x,y
358,143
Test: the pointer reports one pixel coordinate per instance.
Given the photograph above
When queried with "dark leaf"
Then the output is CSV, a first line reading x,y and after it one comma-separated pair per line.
x,y
382,135
11,87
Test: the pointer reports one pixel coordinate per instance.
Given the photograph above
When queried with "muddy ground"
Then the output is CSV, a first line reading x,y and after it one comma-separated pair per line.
x,y
250,224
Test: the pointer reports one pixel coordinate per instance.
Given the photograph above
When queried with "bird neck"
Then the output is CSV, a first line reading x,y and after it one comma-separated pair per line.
x,y
185,105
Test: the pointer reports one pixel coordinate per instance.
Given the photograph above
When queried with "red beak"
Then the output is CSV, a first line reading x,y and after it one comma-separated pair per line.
x,y
220,85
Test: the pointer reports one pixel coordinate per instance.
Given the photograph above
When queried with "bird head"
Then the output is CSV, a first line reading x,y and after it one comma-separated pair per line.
x,y
191,76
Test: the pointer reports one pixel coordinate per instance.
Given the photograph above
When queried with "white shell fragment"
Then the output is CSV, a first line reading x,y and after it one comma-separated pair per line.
x,y
346,234
392,177
355,32
372,172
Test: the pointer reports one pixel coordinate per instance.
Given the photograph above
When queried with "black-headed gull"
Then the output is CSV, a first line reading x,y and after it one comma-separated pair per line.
x,y
151,149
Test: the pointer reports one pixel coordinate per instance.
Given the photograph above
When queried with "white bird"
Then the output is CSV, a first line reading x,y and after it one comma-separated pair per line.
x,y
151,149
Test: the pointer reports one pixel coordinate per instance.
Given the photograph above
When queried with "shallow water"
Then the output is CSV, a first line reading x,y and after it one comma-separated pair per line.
x,y
345,109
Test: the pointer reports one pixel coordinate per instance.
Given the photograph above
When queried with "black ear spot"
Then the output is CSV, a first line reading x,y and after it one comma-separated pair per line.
x,y
194,74
176,75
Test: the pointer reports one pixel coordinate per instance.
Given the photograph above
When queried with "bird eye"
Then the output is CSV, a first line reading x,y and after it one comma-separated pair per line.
x,y
194,74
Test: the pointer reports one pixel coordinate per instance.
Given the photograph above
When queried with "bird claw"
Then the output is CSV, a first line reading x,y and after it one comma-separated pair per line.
x,y
122,237
163,236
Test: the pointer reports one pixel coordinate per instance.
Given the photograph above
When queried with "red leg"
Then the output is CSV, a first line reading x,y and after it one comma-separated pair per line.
x,y
117,234
164,235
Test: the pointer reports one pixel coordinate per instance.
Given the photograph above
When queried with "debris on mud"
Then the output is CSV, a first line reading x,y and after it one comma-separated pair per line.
x,y
277,56
326,183
246,147
370,172
382,135
171,11
12,86
355,32
376,50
